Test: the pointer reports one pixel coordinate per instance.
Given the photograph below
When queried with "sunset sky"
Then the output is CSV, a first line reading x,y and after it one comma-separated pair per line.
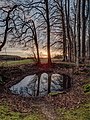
x,y
26,53
41,35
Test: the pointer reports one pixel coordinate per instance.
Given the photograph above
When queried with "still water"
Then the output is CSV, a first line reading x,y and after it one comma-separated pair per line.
x,y
41,85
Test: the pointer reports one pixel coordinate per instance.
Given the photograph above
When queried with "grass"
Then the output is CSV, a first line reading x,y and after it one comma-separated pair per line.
x,y
18,62
28,61
82,113
43,60
7,114
87,88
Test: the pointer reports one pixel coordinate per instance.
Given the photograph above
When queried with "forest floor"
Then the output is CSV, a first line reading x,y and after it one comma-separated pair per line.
x,y
70,105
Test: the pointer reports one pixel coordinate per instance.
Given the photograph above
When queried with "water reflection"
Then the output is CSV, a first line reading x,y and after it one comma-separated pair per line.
x,y
42,84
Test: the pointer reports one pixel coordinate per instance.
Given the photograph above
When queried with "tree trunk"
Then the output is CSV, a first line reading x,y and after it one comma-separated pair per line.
x,y
5,36
37,49
48,32
78,33
68,33
78,27
36,42
64,35
74,39
83,30
89,31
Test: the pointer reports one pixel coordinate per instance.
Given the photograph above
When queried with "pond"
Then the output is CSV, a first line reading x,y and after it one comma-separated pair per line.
x,y
41,85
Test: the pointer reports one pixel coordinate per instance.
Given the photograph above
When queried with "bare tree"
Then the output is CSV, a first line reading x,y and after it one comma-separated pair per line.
x,y
35,39
55,21
60,8
6,20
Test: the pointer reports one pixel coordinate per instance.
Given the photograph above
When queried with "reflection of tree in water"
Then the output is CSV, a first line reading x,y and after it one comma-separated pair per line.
x,y
49,83
66,82
38,86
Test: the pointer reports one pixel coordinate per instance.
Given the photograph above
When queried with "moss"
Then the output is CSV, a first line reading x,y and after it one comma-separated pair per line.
x,y
7,114
1,80
86,88
82,113
55,93
33,117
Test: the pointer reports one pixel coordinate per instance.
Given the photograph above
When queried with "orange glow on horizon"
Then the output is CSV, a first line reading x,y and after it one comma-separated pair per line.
x,y
28,53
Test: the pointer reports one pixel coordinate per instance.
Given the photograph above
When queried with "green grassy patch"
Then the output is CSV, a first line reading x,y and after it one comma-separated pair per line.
x,y
17,62
82,113
7,114
28,61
